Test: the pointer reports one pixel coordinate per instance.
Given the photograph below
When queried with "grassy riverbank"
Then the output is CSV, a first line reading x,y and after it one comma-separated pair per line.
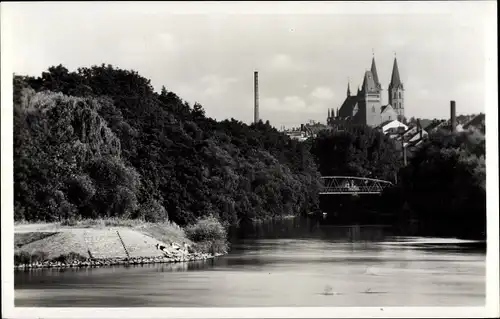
x,y
114,241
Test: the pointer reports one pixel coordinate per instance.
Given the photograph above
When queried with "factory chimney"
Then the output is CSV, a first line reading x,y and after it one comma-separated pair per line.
x,y
453,116
256,97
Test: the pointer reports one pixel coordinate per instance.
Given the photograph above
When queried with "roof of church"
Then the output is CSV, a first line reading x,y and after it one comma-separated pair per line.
x,y
348,105
395,80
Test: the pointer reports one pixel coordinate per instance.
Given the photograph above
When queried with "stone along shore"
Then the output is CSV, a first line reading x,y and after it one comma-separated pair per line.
x,y
99,262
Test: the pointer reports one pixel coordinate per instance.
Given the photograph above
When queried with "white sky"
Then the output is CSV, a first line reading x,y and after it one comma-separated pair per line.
x,y
304,56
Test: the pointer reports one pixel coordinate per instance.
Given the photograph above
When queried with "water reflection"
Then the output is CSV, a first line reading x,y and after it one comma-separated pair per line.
x,y
284,263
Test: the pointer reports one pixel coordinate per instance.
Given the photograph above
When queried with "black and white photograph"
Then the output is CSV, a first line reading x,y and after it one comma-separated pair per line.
x,y
249,159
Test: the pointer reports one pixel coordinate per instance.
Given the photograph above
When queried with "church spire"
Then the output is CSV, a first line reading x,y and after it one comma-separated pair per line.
x,y
348,89
374,72
395,80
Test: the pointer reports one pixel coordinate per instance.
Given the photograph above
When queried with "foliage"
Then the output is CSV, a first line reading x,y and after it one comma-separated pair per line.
x,y
70,257
359,151
206,229
444,185
24,257
67,160
100,143
208,234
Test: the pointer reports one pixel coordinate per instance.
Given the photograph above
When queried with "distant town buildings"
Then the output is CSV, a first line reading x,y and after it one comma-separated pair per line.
x,y
305,131
365,108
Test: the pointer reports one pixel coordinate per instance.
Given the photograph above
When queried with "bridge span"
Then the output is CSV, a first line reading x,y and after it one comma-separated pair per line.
x,y
350,185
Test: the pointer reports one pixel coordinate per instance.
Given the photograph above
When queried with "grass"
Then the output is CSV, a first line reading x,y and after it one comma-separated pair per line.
x,y
25,222
166,232
102,222
21,239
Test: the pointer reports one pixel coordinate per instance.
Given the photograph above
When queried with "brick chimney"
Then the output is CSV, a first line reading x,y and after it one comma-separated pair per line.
x,y
256,97
453,116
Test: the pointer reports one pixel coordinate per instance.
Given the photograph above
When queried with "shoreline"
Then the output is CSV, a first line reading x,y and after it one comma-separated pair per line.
x,y
118,261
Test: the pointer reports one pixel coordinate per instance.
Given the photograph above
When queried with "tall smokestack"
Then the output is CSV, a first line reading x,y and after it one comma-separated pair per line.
x,y
256,97
453,116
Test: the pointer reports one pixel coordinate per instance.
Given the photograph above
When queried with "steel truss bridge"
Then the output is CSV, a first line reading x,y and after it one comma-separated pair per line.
x,y
349,185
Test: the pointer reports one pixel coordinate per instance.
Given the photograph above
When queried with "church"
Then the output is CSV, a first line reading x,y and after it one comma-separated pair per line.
x,y
366,106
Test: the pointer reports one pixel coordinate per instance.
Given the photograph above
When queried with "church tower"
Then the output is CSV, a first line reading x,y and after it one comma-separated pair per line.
x,y
370,100
396,92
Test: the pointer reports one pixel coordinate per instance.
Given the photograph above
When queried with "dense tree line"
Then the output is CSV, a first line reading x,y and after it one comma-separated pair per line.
x,y
441,191
443,187
358,151
100,142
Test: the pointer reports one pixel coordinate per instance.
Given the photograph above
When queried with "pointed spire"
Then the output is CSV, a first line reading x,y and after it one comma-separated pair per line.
x,y
395,80
348,88
369,84
374,71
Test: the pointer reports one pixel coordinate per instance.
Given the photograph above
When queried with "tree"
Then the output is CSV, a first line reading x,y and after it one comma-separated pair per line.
x,y
359,151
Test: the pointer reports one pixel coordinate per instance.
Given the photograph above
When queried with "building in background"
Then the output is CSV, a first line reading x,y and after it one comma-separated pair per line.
x,y
366,107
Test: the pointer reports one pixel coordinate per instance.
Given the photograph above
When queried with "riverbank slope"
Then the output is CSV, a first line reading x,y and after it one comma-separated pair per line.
x,y
110,242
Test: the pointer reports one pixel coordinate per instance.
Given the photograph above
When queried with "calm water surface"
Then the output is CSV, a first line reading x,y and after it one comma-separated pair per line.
x,y
290,263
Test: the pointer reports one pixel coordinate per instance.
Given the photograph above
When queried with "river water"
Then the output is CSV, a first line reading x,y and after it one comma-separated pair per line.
x,y
290,263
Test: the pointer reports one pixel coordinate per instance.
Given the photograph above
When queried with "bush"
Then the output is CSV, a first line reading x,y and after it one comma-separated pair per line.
x,y
70,257
206,229
71,221
212,247
24,257
209,235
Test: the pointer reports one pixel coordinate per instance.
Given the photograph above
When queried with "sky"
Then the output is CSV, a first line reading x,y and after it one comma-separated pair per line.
x,y
305,56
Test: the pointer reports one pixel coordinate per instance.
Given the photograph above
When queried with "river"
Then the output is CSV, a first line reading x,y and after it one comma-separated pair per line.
x,y
290,263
